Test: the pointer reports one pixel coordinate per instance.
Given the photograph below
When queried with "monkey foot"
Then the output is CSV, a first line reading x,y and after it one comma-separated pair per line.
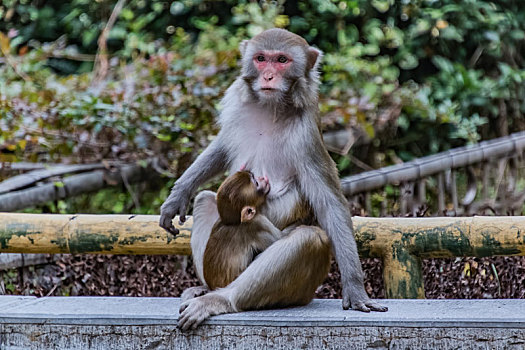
x,y
194,311
364,306
193,292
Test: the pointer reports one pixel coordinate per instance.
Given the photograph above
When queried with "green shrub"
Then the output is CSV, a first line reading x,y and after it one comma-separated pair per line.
x,y
416,77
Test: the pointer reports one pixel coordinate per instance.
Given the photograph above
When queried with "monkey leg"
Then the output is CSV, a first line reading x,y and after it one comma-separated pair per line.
x,y
205,215
285,274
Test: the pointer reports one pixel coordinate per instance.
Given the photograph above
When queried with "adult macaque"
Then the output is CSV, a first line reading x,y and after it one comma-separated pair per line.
x,y
269,122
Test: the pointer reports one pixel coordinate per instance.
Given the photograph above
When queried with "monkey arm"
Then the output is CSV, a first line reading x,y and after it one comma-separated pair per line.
x,y
266,225
209,163
319,183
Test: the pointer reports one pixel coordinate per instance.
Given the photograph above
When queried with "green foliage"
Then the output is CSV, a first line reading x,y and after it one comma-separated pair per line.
x,y
414,77
144,107
443,72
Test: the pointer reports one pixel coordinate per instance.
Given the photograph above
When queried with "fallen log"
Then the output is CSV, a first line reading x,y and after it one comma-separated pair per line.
x,y
25,180
13,261
20,166
70,186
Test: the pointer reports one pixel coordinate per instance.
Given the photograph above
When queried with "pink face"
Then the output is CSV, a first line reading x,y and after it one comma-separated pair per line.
x,y
262,184
271,66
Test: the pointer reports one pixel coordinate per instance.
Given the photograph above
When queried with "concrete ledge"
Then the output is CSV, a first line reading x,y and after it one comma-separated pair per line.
x,y
150,323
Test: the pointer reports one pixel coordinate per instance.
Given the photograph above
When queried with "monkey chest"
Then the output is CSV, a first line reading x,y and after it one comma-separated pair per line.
x,y
261,145
265,147
266,157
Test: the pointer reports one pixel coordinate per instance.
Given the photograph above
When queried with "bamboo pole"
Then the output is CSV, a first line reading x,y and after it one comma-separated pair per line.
x,y
422,167
90,234
403,242
69,187
400,242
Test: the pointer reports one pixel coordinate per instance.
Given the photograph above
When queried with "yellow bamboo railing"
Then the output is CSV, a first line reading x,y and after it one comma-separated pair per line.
x,y
400,242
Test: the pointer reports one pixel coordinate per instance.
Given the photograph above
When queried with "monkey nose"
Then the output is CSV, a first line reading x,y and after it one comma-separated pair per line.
x,y
263,180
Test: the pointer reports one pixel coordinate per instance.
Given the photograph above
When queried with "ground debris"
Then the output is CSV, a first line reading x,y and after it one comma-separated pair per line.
x,y
168,276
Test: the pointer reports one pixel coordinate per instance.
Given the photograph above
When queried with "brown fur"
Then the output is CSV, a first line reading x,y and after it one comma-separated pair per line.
x,y
236,192
276,133
233,244
295,283
230,249
286,39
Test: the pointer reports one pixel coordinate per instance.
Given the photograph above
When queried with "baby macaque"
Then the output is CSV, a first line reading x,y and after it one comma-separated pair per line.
x,y
241,232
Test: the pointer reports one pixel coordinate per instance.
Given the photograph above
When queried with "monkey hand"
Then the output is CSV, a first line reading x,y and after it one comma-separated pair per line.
x,y
358,300
192,313
176,204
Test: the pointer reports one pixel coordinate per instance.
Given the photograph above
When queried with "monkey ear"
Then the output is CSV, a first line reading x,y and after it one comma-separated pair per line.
x,y
313,56
242,47
247,213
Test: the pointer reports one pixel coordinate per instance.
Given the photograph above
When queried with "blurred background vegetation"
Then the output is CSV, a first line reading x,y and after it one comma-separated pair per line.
x,y
408,78
412,78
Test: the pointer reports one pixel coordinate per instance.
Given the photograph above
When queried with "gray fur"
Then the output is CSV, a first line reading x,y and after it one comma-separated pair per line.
x,y
280,139
211,162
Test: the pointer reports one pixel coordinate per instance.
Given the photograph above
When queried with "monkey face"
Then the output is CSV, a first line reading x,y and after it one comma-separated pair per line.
x,y
272,67
273,72
262,184
238,191
274,62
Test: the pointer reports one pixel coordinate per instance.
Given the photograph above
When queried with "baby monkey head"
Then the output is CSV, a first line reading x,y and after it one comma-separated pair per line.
x,y
239,197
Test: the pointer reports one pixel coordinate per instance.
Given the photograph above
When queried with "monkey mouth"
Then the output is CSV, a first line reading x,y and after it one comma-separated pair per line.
x,y
267,188
264,189
266,89
263,185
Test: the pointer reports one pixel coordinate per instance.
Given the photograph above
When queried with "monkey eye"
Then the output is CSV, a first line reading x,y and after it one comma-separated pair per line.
x,y
282,59
260,58
254,180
